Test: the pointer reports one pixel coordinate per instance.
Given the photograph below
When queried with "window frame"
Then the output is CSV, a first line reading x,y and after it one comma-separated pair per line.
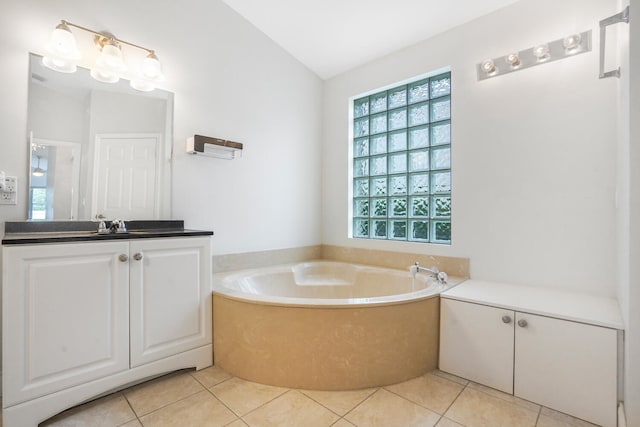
x,y
384,211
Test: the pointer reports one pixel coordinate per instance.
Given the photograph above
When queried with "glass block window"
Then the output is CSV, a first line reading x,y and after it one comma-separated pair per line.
x,y
402,162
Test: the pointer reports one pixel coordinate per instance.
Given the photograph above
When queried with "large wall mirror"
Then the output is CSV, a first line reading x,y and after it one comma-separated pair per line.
x,y
97,150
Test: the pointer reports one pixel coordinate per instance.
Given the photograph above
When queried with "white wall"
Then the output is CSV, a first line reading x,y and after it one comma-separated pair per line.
x,y
230,81
629,210
533,152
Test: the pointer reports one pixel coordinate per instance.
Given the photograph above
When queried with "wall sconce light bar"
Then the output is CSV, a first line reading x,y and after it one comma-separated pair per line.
x,y
63,55
213,147
571,45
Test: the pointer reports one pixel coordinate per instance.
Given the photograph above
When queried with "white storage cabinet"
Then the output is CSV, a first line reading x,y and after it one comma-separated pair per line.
x,y
521,341
80,319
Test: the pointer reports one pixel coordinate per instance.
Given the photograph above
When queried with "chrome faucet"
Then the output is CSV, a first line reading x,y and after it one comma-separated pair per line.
x,y
440,276
117,226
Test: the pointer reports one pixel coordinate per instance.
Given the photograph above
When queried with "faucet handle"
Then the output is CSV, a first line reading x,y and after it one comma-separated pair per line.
x,y
102,228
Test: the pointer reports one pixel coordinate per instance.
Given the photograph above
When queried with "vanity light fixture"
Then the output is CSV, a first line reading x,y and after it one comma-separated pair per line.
x,y
63,55
540,54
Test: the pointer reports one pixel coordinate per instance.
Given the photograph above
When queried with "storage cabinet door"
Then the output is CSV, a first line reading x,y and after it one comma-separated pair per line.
x,y
567,366
66,316
476,342
170,297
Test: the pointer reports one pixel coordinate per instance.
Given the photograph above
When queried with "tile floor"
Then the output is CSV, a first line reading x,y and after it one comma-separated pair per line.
x,y
212,397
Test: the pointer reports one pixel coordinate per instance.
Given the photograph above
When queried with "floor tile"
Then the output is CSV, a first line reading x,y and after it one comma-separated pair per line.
x,y
211,376
244,396
449,376
550,418
340,402
340,423
132,423
238,423
446,422
109,411
292,409
504,396
475,408
200,409
384,408
431,391
152,395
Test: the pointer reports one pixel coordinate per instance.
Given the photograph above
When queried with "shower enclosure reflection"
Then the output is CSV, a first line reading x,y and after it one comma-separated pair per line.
x,y
96,150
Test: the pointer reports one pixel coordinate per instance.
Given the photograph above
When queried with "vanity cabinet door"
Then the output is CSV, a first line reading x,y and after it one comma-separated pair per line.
x,y
66,316
567,366
476,342
170,297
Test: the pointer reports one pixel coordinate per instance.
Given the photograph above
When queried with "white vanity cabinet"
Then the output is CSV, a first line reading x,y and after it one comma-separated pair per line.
x,y
521,341
81,319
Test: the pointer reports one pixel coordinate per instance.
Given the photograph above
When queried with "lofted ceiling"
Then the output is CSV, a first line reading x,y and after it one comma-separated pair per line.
x,y
333,36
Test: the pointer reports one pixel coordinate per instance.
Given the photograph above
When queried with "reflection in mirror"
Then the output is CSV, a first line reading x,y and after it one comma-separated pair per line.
x,y
97,150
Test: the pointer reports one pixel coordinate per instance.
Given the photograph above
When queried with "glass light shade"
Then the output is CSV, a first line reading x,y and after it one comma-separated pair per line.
x,y
151,68
110,57
60,65
104,76
37,172
63,44
142,85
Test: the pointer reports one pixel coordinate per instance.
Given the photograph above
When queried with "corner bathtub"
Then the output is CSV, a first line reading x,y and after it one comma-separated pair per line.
x,y
326,325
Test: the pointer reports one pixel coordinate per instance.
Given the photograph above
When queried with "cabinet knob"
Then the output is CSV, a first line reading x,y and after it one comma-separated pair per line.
x,y
506,319
137,256
123,258
522,323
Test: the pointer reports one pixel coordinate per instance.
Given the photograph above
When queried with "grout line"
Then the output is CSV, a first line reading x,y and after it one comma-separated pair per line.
x,y
361,403
337,391
167,404
130,406
265,403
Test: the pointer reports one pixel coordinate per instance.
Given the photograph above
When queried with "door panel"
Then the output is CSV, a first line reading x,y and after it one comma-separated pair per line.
x,y
568,366
476,344
126,177
170,297
69,311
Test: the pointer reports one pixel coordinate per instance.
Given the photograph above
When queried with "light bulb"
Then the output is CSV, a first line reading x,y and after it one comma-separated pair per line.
x,y
110,56
104,76
541,52
142,85
572,43
513,59
59,64
488,66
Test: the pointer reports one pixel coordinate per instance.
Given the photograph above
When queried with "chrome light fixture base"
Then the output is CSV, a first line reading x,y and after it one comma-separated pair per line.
x,y
571,45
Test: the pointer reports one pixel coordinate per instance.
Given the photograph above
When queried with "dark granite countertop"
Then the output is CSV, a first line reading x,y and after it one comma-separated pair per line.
x,y
33,232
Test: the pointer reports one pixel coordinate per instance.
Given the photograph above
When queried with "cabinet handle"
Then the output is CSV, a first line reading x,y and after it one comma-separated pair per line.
x,y
522,323
506,319
138,256
123,258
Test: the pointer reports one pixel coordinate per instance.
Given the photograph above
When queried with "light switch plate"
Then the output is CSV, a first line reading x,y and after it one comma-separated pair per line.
x,y
9,195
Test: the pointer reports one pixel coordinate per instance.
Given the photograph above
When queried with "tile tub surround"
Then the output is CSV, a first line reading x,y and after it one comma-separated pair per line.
x,y
326,348
213,397
458,267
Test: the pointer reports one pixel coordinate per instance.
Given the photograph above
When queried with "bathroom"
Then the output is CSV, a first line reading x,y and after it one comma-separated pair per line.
x,y
545,185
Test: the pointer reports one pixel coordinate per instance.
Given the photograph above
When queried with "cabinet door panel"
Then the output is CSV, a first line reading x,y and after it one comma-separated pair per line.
x,y
567,366
170,297
476,344
66,316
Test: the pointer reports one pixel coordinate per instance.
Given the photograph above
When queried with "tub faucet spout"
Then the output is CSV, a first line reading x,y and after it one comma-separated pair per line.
x,y
440,276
